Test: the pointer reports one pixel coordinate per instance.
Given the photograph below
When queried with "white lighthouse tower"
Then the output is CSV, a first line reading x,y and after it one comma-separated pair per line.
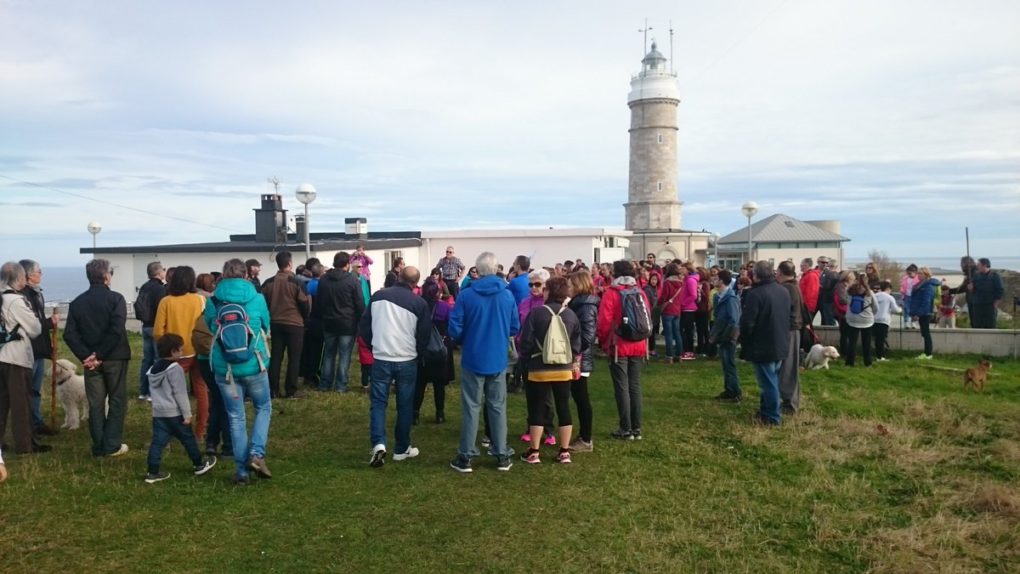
x,y
653,208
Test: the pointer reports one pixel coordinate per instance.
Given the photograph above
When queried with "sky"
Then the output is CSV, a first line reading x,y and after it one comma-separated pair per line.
x,y
163,120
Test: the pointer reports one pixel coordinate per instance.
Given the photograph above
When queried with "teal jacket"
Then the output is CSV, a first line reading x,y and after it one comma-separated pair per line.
x,y
243,292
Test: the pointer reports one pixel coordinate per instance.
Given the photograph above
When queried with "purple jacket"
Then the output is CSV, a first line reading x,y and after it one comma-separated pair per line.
x,y
525,307
366,262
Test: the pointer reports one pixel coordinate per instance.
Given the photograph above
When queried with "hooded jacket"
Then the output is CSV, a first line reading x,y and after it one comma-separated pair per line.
x,y
482,322
168,390
242,292
765,323
610,315
726,327
586,307
671,295
17,312
809,287
922,298
339,302
689,297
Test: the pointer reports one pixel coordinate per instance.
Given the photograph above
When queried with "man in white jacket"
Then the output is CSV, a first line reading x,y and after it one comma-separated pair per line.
x,y
17,360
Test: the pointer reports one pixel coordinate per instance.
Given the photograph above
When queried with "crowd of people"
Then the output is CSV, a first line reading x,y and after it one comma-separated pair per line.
x,y
533,329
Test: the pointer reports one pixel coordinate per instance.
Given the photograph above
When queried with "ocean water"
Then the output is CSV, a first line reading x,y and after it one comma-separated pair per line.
x,y
946,263
63,284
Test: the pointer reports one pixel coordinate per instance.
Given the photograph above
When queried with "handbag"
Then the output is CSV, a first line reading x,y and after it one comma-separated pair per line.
x,y
435,350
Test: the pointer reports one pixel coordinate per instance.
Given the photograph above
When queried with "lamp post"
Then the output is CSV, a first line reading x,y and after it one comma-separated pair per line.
x,y
715,244
94,228
749,209
305,193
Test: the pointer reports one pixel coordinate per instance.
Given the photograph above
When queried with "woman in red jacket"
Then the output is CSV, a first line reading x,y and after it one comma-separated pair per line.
x,y
626,358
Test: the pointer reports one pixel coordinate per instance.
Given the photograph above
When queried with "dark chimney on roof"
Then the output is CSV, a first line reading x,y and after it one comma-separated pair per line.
x,y
271,220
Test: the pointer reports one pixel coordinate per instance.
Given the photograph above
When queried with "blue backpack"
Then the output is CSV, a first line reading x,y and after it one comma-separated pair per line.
x,y
234,336
857,304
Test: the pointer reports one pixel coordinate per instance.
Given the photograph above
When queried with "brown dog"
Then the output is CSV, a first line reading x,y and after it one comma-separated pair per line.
x,y
975,376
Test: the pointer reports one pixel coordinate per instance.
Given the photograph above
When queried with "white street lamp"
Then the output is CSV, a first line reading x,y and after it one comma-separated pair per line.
x,y
749,209
715,243
94,228
305,193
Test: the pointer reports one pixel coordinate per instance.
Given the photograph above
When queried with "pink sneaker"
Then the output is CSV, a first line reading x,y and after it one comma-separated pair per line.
x,y
526,437
550,440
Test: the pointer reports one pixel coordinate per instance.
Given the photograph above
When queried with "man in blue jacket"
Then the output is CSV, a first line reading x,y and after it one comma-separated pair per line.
x,y
482,322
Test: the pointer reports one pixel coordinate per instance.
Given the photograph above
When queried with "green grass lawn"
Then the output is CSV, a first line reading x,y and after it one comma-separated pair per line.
x,y
887,469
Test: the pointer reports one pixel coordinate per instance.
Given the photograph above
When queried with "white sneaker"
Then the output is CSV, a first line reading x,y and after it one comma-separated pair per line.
x,y
121,451
378,456
411,452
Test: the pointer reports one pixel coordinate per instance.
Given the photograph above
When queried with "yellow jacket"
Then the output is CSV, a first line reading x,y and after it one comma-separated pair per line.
x,y
177,314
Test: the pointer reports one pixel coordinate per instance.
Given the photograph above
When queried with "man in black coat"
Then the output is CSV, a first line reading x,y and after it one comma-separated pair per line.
x,y
765,337
985,292
96,334
339,304
149,295
42,346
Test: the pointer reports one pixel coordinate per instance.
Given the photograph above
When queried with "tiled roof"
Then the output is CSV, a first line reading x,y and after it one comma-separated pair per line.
x,y
781,228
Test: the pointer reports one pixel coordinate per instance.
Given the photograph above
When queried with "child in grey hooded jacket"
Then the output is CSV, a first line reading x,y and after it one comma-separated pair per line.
x,y
171,410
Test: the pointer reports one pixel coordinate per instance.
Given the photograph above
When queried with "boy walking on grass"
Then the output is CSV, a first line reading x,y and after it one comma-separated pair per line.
x,y
171,410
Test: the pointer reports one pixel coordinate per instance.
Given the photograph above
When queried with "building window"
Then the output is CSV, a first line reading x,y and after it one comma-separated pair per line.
x,y
659,137
659,186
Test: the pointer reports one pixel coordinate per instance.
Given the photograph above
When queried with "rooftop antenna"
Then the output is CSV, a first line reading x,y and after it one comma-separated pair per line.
x,y
645,31
275,181
671,48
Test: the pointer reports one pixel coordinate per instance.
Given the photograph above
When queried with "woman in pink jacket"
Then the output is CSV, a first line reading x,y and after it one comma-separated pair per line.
x,y
689,310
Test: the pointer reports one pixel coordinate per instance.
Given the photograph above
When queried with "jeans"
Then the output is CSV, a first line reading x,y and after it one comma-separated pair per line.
x,y
626,375
334,378
789,373
149,354
38,370
403,374
924,321
257,387
291,339
828,312
728,356
473,387
219,426
109,381
768,382
671,332
165,428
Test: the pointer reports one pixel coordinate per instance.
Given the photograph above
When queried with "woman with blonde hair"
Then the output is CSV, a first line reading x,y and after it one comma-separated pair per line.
x,y
922,301
585,304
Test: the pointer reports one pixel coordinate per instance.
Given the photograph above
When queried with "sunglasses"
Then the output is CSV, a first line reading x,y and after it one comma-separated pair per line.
x,y
534,284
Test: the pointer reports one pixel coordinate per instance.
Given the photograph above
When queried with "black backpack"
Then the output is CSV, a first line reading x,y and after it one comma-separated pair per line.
x,y
143,306
635,324
5,335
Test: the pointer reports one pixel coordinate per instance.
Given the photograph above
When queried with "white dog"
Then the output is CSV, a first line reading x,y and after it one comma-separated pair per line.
x,y
71,392
818,357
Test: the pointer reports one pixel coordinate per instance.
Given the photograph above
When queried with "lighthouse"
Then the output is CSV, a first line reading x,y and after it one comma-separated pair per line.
x,y
653,208
652,200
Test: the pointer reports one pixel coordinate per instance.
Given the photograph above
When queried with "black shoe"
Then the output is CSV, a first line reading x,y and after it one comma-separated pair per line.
x,y
440,418
636,434
787,408
622,434
241,480
725,397
45,430
210,450
461,464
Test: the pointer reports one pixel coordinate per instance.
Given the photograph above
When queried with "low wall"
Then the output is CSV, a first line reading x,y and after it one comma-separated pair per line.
x,y
989,342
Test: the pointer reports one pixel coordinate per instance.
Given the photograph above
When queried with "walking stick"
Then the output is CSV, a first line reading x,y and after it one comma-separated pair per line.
x,y
53,379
